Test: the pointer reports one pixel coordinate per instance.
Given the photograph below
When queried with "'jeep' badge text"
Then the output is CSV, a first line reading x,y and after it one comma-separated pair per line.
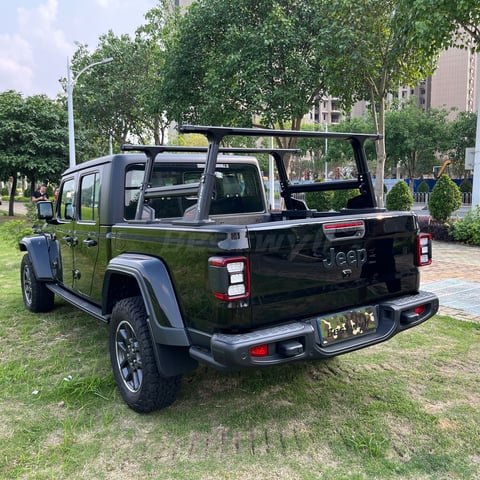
x,y
354,258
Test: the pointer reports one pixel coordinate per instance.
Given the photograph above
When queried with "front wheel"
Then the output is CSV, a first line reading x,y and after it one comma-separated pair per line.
x,y
36,296
133,359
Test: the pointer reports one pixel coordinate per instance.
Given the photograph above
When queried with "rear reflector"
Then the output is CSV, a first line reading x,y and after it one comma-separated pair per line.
x,y
420,309
259,350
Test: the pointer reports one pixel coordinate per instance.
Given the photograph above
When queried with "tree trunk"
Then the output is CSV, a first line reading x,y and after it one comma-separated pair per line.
x,y
158,136
33,182
381,153
11,202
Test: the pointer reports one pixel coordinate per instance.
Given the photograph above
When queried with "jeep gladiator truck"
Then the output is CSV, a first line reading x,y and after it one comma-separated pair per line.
x,y
177,250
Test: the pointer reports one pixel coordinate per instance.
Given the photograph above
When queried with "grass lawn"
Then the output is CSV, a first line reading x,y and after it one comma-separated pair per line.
x,y
407,409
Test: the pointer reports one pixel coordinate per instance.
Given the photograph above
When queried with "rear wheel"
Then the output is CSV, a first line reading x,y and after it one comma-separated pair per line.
x,y
36,296
133,359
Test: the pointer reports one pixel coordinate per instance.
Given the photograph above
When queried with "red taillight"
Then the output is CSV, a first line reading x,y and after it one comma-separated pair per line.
x,y
259,350
229,277
424,250
419,310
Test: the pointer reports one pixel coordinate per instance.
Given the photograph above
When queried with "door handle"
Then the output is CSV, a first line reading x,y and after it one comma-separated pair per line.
x,y
89,242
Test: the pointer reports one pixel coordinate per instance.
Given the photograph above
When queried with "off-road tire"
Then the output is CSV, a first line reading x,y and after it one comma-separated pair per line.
x,y
36,296
133,360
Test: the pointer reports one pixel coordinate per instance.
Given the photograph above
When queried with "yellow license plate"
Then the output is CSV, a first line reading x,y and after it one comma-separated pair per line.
x,y
346,325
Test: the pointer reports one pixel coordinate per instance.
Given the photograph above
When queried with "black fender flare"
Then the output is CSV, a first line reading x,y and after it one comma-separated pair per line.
x,y
43,254
153,279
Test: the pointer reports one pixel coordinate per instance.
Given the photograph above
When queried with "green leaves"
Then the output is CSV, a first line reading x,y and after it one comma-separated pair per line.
x,y
445,199
120,99
399,197
245,59
444,23
33,136
414,137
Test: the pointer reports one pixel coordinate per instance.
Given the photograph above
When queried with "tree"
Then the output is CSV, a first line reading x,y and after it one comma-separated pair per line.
x,y
331,152
399,197
11,138
443,23
231,62
115,100
414,136
153,34
444,199
423,187
462,136
33,139
379,52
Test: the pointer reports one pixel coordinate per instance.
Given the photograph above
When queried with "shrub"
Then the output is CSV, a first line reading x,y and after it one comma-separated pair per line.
x,y
439,230
423,187
13,231
31,211
324,201
466,186
445,199
399,197
467,229
321,201
341,197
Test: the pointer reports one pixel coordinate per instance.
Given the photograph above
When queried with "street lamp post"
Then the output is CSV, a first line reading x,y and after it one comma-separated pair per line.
x,y
476,158
71,81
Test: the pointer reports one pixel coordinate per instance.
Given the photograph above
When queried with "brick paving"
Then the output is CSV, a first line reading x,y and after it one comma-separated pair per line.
x,y
455,277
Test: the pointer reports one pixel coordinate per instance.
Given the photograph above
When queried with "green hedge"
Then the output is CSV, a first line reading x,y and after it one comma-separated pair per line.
x,y
445,199
399,197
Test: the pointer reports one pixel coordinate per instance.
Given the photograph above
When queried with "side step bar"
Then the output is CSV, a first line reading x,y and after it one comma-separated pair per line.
x,y
84,305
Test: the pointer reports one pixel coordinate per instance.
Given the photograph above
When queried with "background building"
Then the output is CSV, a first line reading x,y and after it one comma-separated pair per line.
x,y
182,3
452,86
453,83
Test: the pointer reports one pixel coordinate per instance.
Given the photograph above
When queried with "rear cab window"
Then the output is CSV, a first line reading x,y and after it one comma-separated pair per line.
x,y
237,189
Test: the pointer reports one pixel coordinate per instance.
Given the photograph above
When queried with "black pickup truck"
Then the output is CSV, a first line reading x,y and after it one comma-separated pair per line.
x,y
177,250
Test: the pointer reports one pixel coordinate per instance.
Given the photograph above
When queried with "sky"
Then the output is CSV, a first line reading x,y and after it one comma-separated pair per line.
x,y
37,37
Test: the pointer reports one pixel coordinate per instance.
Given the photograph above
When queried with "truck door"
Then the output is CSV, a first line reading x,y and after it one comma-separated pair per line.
x,y
65,230
86,233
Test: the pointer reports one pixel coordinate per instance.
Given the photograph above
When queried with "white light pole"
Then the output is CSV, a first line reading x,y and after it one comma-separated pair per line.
x,y
271,178
326,153
476,161
71,81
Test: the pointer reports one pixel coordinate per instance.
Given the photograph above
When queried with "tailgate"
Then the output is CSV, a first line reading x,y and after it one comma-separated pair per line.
x,y
309,267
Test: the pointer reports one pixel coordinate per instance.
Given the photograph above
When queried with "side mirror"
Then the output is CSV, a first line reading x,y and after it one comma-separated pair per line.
x,y
45,211
68,211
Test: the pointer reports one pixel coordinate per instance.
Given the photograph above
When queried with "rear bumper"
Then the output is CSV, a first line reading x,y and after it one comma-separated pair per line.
x,y
300,340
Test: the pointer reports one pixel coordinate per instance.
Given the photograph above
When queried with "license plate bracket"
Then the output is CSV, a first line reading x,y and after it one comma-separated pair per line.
x,y
346,325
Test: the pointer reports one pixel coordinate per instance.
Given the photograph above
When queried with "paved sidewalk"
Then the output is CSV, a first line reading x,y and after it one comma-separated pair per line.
x,y
19,208
455,277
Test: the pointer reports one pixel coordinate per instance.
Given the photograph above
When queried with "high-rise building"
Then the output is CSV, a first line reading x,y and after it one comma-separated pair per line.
x,y
452,86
